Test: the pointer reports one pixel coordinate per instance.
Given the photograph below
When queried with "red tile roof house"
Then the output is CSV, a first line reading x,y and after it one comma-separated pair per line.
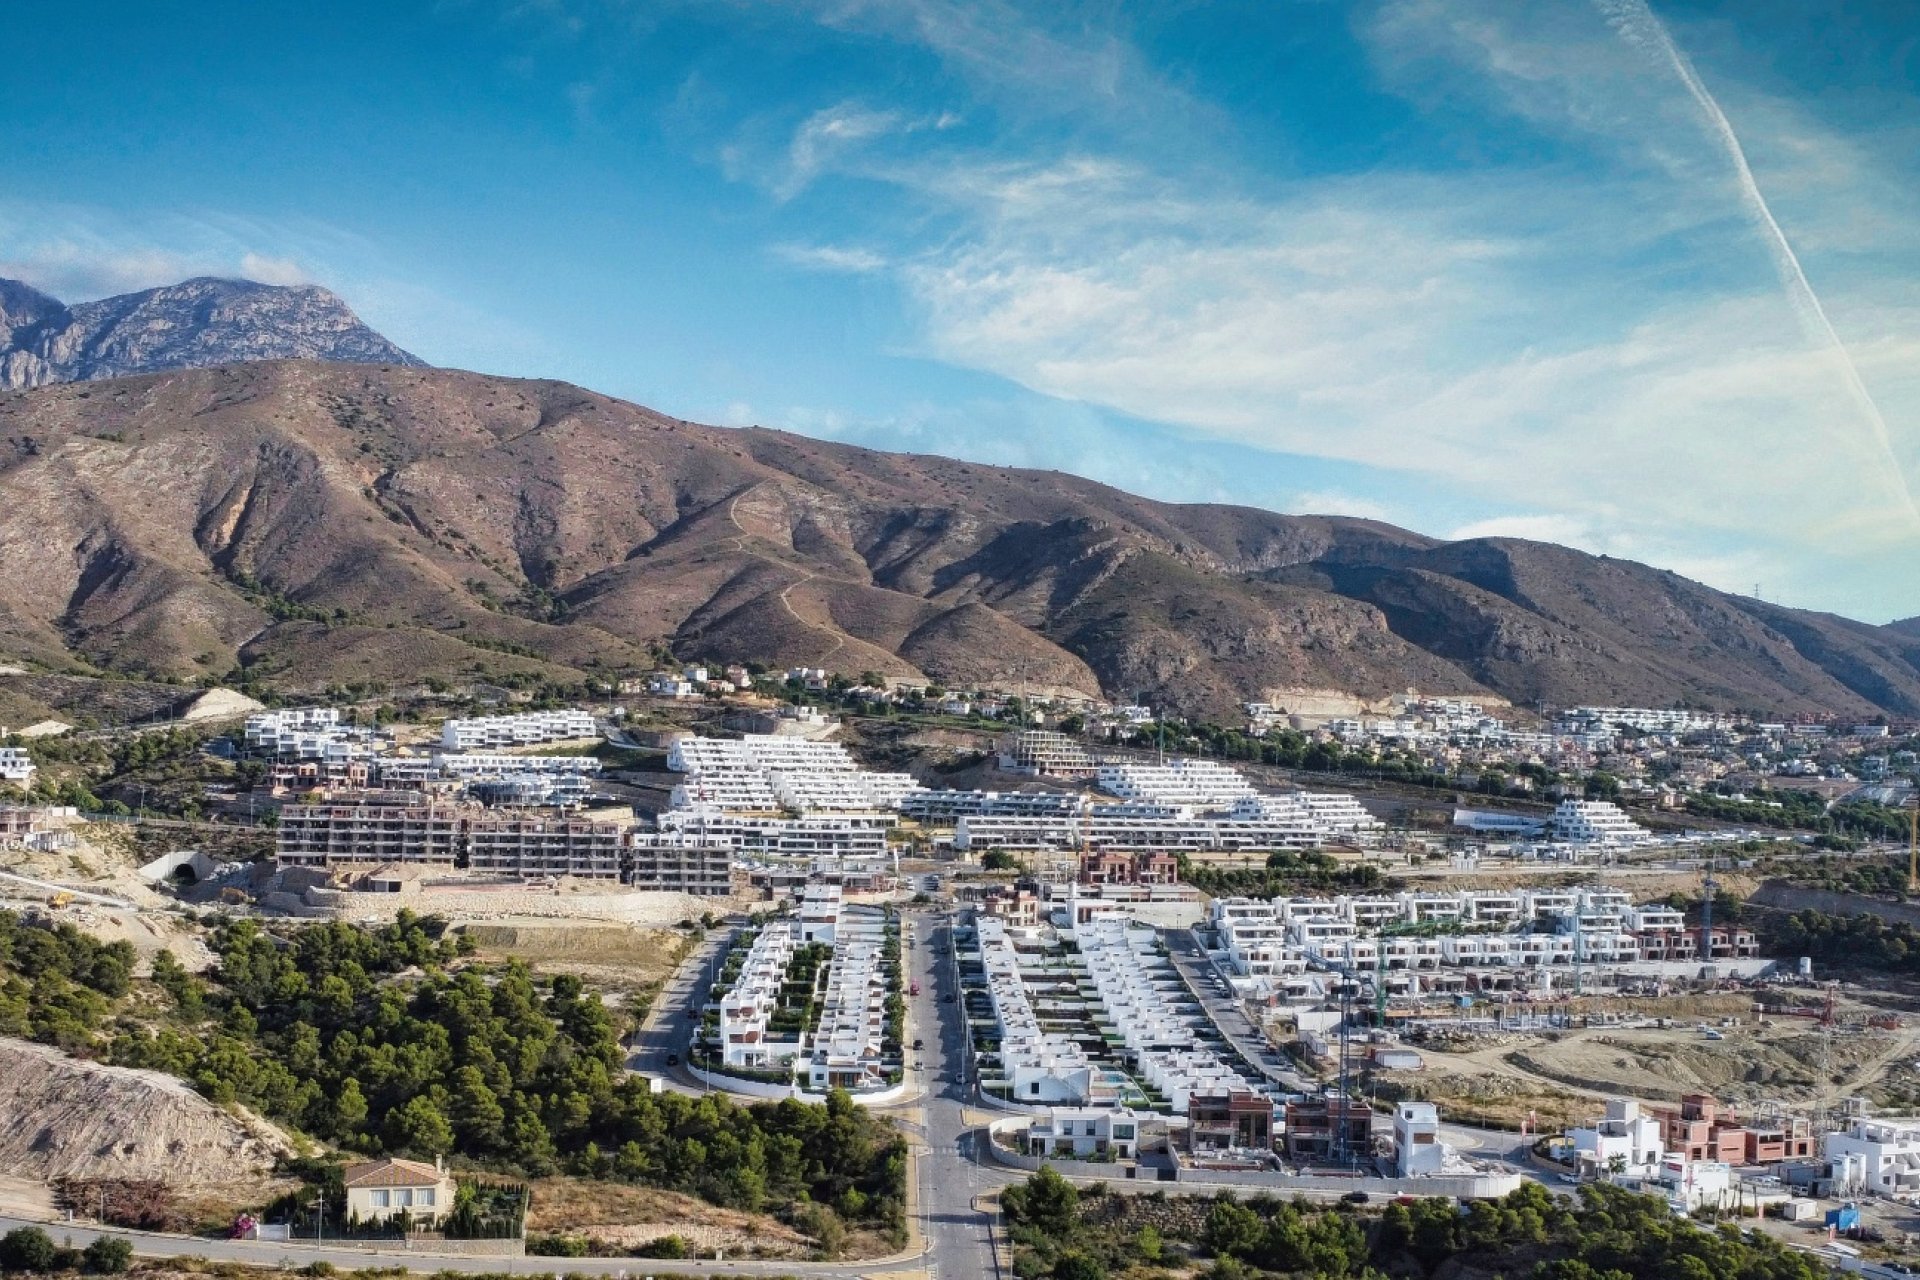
x,y
379,1189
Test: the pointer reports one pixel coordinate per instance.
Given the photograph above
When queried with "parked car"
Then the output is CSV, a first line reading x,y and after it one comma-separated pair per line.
x,y
673,1059
917,1044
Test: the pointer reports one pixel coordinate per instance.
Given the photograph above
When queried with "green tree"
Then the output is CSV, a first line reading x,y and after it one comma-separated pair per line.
x,y
107,1255
26,1249
1232,1229
1075,1265
418,1126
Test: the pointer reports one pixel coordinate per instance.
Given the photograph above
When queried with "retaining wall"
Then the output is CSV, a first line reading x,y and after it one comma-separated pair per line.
x,y
767,1089
1477,1186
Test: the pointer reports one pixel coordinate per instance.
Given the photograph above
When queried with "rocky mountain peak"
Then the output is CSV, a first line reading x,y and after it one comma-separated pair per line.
x,y
197,323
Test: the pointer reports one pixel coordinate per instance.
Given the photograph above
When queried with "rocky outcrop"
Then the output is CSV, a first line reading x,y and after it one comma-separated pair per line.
x,y
193,324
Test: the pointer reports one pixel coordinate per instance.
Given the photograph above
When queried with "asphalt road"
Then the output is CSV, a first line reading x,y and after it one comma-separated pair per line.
x,y
668,1031
958,1244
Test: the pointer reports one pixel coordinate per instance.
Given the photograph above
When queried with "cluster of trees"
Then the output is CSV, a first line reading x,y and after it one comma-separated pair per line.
x,y
1609,1234
1856,942
57,984
163,770
1880,877
1789,808
1284,871
391,1040
29,1249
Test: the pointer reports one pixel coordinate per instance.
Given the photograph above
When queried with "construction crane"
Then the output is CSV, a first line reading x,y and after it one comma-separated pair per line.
x,y
1707,885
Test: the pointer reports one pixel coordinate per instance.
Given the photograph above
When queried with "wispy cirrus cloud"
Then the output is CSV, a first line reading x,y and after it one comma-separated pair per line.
x,y
1600,332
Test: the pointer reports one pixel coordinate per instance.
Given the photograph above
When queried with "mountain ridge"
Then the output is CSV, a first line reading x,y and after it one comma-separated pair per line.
x,y
317,523
200,322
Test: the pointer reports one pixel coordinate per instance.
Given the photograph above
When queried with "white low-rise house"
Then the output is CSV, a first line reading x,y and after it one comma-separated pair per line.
x,y
846,1048
1080,1133
485,733
1418,1151
1694,1184
1139,993
1889,1153
16,766
1621,1141
1040,1066
752,1000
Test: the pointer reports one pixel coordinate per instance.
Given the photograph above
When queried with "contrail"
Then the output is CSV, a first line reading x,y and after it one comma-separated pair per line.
x,y
1639,25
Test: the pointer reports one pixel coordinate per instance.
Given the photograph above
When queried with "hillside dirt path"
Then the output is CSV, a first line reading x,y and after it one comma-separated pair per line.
x,y
839,641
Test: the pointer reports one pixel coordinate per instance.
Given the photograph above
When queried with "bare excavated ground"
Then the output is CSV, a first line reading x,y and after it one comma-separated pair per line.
x,y
625,962
66,1117
1563,1076
629,1216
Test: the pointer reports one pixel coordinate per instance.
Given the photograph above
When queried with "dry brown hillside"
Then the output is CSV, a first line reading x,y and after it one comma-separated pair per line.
x,y
326,522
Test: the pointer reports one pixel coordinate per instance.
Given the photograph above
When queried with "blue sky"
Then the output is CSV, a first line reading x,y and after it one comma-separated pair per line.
x,y
1645,281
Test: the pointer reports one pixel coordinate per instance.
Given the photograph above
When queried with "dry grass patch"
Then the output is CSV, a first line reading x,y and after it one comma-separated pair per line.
x,y
627,1215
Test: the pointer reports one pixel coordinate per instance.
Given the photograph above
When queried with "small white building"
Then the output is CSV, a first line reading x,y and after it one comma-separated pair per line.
x,y
1623,1134
1416,1140
16,766
1081,1132
1694,1184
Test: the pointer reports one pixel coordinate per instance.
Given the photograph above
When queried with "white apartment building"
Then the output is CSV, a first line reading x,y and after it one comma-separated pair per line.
x,y
1595,822
1139,828
1042,751
1331,813
1201,784
1888,1151
943,807
16,766
1644,719
500,765
269,732
483,733
767,772
846,836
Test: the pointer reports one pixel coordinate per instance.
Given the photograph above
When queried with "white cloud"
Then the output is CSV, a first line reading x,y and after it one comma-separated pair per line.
x,y
827,257
826,136
1332,502
271,270
1608,342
